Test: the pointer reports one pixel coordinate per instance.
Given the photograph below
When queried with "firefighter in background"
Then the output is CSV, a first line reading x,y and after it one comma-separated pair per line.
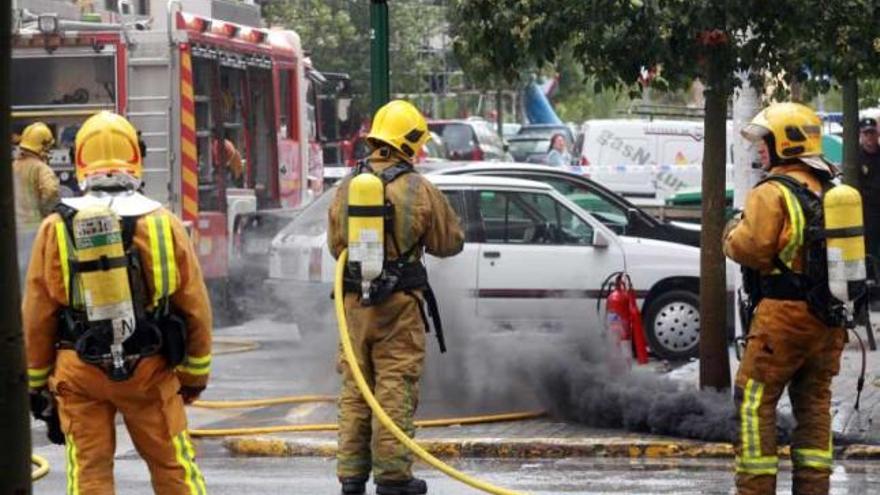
x,y
791,342
227,160
36,187
388,335
117,319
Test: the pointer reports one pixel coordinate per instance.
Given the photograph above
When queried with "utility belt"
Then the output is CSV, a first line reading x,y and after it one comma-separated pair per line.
x,y
398,276
792,286
153,334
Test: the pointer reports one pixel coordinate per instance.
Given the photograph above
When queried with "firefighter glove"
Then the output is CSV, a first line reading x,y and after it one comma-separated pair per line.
x,y
44,409
190,394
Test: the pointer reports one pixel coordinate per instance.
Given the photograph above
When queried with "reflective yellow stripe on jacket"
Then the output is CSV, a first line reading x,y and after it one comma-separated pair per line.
x,y
165,276
196,365
797,221
38,377
66,252
751,460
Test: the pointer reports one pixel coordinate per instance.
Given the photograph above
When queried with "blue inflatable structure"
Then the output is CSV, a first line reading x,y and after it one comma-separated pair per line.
x,y
538,107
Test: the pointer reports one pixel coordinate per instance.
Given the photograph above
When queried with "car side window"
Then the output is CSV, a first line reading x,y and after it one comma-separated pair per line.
x,y
457,202
610,214
530,218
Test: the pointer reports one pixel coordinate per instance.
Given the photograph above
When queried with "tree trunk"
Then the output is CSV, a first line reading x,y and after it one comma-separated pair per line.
x,y
851,131
714,359
15,456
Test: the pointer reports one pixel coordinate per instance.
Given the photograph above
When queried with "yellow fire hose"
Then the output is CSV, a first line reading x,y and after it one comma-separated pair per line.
x,y
42,467
274,401
426,423
380,413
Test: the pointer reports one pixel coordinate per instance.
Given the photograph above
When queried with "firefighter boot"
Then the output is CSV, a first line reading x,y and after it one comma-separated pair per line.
x,y
354,486
412,486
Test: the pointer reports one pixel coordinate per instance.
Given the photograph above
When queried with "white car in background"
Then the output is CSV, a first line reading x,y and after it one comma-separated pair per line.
x,y
532,258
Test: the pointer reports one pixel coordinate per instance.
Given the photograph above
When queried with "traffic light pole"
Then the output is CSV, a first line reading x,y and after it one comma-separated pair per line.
x,y
15,427
380,87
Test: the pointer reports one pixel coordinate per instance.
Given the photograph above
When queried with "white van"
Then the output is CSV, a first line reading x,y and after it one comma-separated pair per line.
x,y
644,158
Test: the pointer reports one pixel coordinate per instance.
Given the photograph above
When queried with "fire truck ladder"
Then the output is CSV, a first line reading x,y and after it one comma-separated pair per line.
x,y
149,104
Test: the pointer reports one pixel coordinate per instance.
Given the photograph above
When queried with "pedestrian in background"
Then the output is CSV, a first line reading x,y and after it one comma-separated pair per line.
x,y
558,155
388,332
36,188
869,186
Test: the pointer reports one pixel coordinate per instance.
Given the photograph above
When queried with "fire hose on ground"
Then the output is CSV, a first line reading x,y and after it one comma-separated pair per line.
x,y
42,467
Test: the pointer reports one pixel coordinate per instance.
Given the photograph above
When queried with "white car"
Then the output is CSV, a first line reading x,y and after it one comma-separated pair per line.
x,y
531,258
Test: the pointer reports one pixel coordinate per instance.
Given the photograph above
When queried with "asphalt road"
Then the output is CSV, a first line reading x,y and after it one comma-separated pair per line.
x,y
314,476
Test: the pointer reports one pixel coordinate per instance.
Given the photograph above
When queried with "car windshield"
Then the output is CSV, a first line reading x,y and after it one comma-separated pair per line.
x,y
522,149
458,138
313,220
487,135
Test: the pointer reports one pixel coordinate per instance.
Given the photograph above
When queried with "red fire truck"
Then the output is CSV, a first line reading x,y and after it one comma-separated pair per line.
x,y
188,87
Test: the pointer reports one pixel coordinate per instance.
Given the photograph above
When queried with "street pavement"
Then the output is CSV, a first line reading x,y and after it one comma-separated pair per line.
x,y
316,476
291,361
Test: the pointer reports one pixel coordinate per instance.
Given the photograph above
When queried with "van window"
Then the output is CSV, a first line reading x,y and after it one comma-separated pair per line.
x,y
610,214
615,149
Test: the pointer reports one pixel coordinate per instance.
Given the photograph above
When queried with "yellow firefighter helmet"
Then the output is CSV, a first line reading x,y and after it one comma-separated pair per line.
x,y
400,125
791,130
107,144
37,138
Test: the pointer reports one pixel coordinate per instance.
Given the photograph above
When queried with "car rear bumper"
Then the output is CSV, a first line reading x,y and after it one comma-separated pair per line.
x,y
303,301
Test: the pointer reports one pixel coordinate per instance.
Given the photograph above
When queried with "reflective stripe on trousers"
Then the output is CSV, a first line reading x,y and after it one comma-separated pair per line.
x,y
751,461
185,455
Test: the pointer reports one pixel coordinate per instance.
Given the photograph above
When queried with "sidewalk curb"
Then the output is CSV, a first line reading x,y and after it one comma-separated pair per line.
x,y
529,448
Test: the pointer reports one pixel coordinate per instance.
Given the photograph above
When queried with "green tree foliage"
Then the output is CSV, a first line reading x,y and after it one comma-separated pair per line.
x,y
336,33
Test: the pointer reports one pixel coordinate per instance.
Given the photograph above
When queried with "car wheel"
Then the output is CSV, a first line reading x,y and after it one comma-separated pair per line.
x,y
672,325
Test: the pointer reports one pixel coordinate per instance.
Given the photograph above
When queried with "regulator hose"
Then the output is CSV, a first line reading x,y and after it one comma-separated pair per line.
x,y
380,413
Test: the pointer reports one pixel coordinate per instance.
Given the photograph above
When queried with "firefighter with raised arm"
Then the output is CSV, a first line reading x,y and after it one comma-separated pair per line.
x,y
117,320
36,187
388,216
800,241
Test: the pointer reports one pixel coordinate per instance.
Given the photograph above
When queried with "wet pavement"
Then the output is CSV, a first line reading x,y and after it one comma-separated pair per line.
x,y
315,476
291,361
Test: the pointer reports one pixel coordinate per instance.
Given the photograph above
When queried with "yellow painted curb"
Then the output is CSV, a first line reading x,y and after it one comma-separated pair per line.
x,y
528,448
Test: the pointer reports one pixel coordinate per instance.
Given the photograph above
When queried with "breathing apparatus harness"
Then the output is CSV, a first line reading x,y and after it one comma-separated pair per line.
x,y
830,301
97,341
369,273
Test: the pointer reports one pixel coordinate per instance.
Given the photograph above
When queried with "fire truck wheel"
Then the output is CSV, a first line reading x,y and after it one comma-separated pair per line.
x,y
672,325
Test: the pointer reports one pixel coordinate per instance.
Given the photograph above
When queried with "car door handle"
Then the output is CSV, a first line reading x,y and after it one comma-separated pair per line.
x,y
491,254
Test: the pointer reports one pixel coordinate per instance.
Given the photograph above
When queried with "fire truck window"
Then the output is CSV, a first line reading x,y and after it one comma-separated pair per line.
x,y
284,105
311,111
260,120
86,80
206,101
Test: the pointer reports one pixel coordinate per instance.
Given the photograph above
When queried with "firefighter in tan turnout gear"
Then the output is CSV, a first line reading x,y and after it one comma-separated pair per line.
x,y
36,187
117,320
385,314
787,241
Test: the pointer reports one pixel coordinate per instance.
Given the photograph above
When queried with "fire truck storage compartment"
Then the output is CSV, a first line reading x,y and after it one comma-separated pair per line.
x,y
233,99
62,89
78,78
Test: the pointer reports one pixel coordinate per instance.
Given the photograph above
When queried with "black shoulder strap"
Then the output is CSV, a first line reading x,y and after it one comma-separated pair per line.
x,y
391,173
129,227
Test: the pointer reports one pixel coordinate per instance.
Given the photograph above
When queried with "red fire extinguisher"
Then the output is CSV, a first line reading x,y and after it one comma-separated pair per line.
x,y
623,320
